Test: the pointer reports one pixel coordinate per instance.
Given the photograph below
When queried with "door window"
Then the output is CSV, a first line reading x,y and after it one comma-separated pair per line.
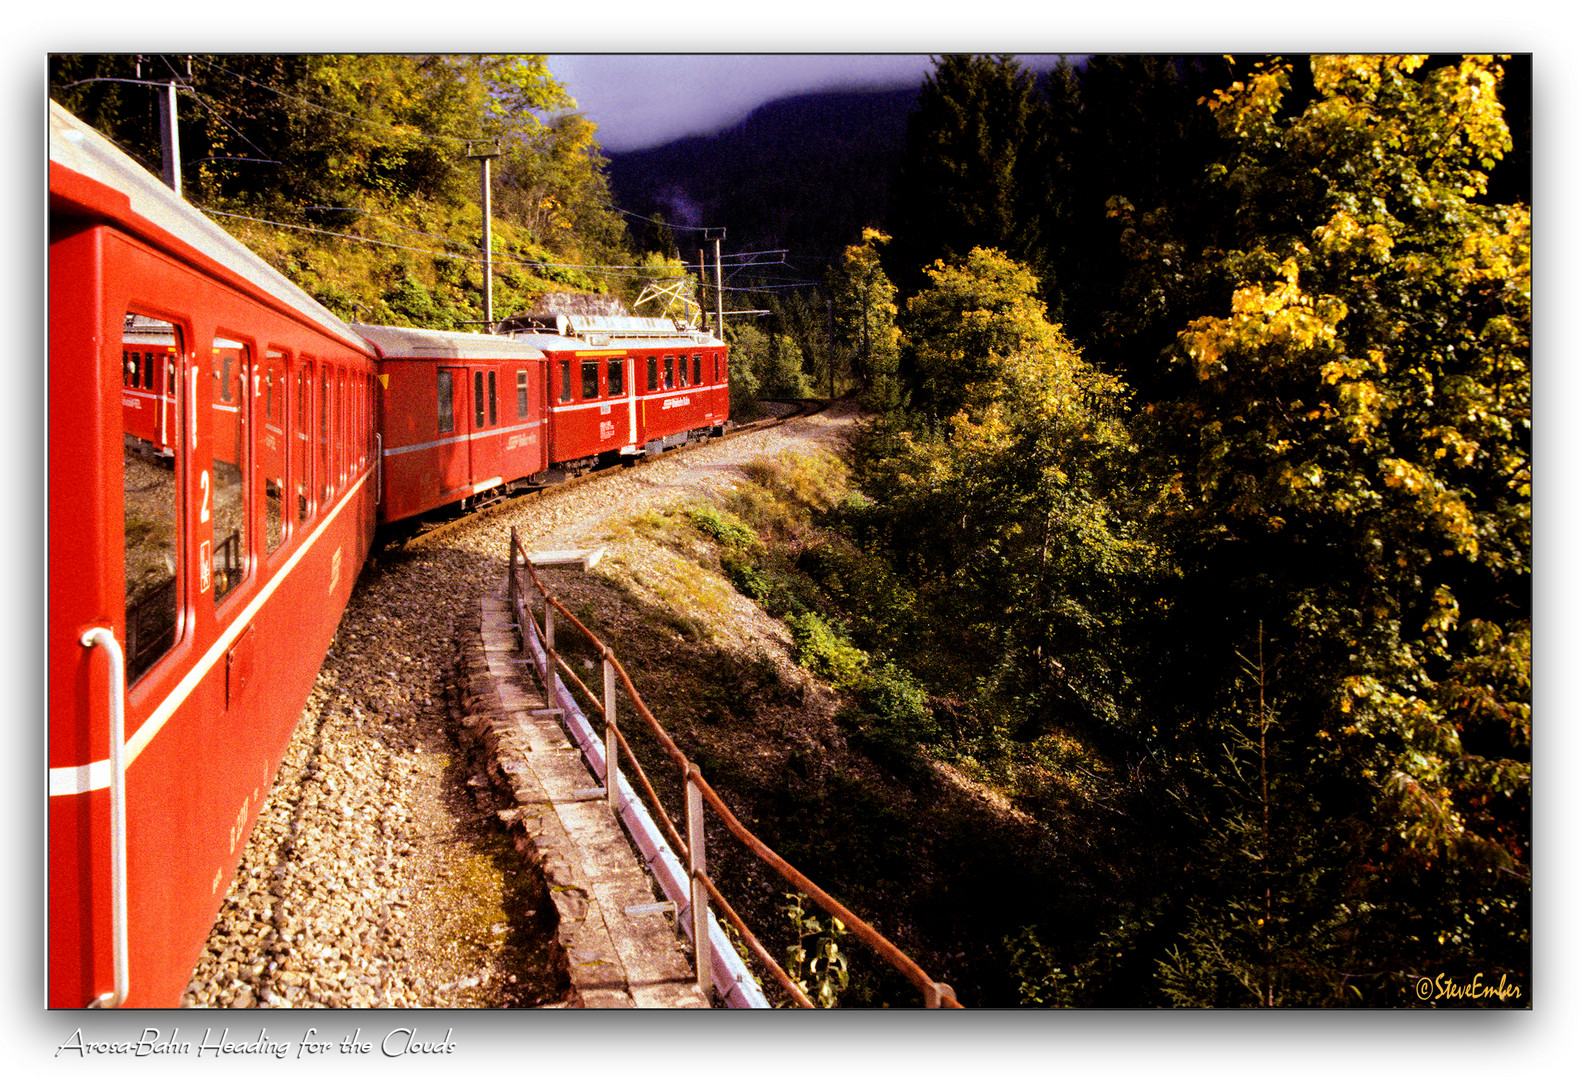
x,y
151,522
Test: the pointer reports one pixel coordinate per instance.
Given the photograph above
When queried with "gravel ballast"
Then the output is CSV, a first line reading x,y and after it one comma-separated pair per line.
x,y
376,876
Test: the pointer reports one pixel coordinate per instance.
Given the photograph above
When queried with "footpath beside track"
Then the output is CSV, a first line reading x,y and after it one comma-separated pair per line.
x,y
620,949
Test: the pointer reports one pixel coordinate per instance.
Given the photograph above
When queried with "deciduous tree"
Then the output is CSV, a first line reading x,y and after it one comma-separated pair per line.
x,y
1352,462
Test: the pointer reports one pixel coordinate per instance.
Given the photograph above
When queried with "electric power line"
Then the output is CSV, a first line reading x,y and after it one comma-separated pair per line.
x,y
614,270
606,270
407,131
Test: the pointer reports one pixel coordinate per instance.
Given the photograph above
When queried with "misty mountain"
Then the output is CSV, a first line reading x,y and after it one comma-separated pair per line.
x,y
805,173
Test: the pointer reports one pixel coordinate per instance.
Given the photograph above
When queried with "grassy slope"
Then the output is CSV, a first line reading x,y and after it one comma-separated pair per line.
x,y
950,866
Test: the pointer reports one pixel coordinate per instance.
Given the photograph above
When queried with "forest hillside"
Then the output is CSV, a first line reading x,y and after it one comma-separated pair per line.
x,y
1190,512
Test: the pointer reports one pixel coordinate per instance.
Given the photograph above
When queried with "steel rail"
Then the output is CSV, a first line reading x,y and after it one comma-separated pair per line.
x,y
440,529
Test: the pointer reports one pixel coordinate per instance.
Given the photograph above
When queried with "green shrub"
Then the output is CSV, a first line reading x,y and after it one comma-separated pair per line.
x,y
824,651
725,528
889,717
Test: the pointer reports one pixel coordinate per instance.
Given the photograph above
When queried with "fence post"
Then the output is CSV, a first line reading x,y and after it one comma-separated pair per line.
x,y
699,891
548,652
611,741
515,607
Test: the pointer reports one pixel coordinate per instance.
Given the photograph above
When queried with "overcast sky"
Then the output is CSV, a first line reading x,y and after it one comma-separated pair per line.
x,y
645,100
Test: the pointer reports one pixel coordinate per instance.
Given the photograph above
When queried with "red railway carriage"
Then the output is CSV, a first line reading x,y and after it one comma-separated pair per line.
x,y
622,385
195,545
463,418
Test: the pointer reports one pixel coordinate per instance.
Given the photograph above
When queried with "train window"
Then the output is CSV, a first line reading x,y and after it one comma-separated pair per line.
x,y
337,429
684,378
493,398
479,406
652,373
271,450
228,512
715,367
446,401
696,369
299,444
342,428
565,380
616,377
325,411
589,379
669,373
152,528
521,395
132,371
353,423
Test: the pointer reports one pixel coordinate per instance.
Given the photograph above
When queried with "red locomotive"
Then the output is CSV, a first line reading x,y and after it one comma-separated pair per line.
x,y
221,449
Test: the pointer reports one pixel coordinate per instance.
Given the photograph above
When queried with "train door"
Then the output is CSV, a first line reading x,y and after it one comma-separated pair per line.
x,y
487,446
455,454
628,369
525,452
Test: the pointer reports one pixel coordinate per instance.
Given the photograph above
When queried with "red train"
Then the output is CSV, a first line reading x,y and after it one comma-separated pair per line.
x,y
462,419
221,451
466,418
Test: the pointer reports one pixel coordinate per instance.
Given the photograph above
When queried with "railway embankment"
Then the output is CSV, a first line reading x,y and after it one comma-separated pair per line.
x,y
376,876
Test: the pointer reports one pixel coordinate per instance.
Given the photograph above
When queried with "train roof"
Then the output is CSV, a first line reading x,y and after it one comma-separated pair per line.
x,y
153,211
603,331
407,342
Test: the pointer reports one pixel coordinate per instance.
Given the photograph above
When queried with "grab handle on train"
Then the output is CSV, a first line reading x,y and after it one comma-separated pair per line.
x,y
106,639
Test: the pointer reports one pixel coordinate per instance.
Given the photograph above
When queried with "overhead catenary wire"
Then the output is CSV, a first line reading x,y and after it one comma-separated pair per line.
x,y
403,130
624,272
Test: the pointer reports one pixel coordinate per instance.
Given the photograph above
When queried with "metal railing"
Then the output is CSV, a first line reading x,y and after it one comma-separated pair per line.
x,y
703,891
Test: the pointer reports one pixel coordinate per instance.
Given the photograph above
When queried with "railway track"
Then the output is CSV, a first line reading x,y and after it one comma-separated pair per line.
x,y
376,875
438,530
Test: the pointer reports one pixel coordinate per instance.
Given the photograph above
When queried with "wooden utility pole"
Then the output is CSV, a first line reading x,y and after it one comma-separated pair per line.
x,y
169,140
702,289
718,282
485,156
